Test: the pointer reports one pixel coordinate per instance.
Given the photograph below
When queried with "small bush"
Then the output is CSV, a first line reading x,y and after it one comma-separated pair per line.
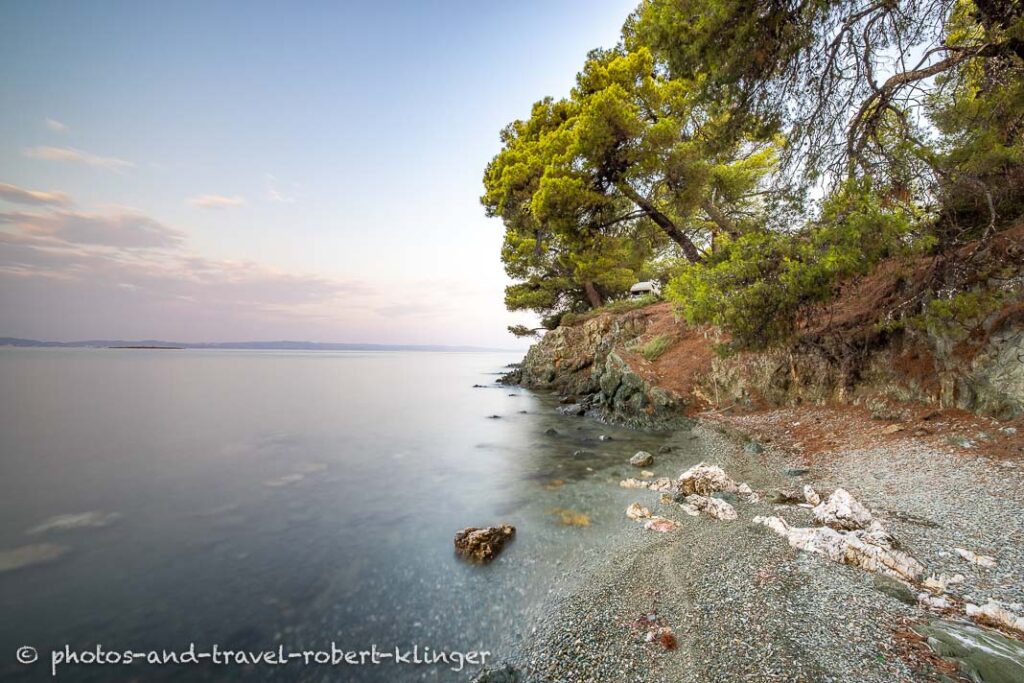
x,y
959,313
654,348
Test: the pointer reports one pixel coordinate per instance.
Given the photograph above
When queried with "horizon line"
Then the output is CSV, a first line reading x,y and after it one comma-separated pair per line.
x,y
276,344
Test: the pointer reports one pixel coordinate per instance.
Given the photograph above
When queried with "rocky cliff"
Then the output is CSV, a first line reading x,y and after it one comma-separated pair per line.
x,y
645,368
592,366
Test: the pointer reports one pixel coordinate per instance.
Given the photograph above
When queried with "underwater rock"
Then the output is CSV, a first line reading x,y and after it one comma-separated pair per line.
x,y
82,520
28,555
569,517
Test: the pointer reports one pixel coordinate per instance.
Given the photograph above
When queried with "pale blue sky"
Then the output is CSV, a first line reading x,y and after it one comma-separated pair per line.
x,y
258,170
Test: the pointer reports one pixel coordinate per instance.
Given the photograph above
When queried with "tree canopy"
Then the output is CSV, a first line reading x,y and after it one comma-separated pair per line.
x,y
742,147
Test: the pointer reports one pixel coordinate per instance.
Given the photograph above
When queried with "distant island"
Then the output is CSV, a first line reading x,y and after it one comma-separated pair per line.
x,y
251,345
149,346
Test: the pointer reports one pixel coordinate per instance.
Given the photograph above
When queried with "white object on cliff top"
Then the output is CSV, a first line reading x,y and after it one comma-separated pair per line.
x,y
644,288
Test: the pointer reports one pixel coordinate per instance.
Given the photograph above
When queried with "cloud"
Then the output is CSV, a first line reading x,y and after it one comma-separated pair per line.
x,y
119,273
19,195
77,156
216,201
56,126
124,268
276,195
122,228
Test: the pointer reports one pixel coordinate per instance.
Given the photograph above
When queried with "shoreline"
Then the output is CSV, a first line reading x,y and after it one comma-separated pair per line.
x,y
743,605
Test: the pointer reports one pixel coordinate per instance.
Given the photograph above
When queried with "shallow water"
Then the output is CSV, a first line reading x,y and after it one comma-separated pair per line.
x,y
253,499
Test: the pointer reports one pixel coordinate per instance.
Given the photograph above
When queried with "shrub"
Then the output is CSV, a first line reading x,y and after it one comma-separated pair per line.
x,y
654,348
754,285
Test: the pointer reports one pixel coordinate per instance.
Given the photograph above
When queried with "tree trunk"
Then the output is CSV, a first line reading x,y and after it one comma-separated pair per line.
x,y
723,222
593,296
662,221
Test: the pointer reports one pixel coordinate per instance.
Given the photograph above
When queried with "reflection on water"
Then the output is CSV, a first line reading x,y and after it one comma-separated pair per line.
x,y
257,498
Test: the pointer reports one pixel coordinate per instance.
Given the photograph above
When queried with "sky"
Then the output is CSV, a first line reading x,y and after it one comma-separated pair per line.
x,y
228,171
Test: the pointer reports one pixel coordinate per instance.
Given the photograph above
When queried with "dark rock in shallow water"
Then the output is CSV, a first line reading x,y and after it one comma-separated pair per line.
x,y
494,417
665,449
551,431
482,544
479,386
642,459
572,409
796,471
513,377
604,437
753,448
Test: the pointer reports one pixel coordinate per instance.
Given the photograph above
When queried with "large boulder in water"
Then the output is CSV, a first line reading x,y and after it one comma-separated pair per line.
x,y
483,544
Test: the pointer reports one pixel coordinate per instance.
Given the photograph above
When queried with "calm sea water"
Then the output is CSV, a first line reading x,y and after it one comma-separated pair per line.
x,y
258,499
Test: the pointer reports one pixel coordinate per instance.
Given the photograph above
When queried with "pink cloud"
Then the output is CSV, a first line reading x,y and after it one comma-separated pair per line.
x,y
19,195
77,156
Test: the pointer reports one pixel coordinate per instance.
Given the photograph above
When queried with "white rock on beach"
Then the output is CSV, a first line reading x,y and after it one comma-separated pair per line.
x,y
938,603
689,509
939,584
856,548
704,479
659,484
811,496
841,511
714,507
995,614
975,558
660,524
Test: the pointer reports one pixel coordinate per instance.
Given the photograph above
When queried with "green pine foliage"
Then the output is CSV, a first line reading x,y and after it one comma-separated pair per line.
x,y
752,156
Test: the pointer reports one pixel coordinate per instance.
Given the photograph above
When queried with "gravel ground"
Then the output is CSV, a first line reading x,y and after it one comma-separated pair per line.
x,y
934,501
744,606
